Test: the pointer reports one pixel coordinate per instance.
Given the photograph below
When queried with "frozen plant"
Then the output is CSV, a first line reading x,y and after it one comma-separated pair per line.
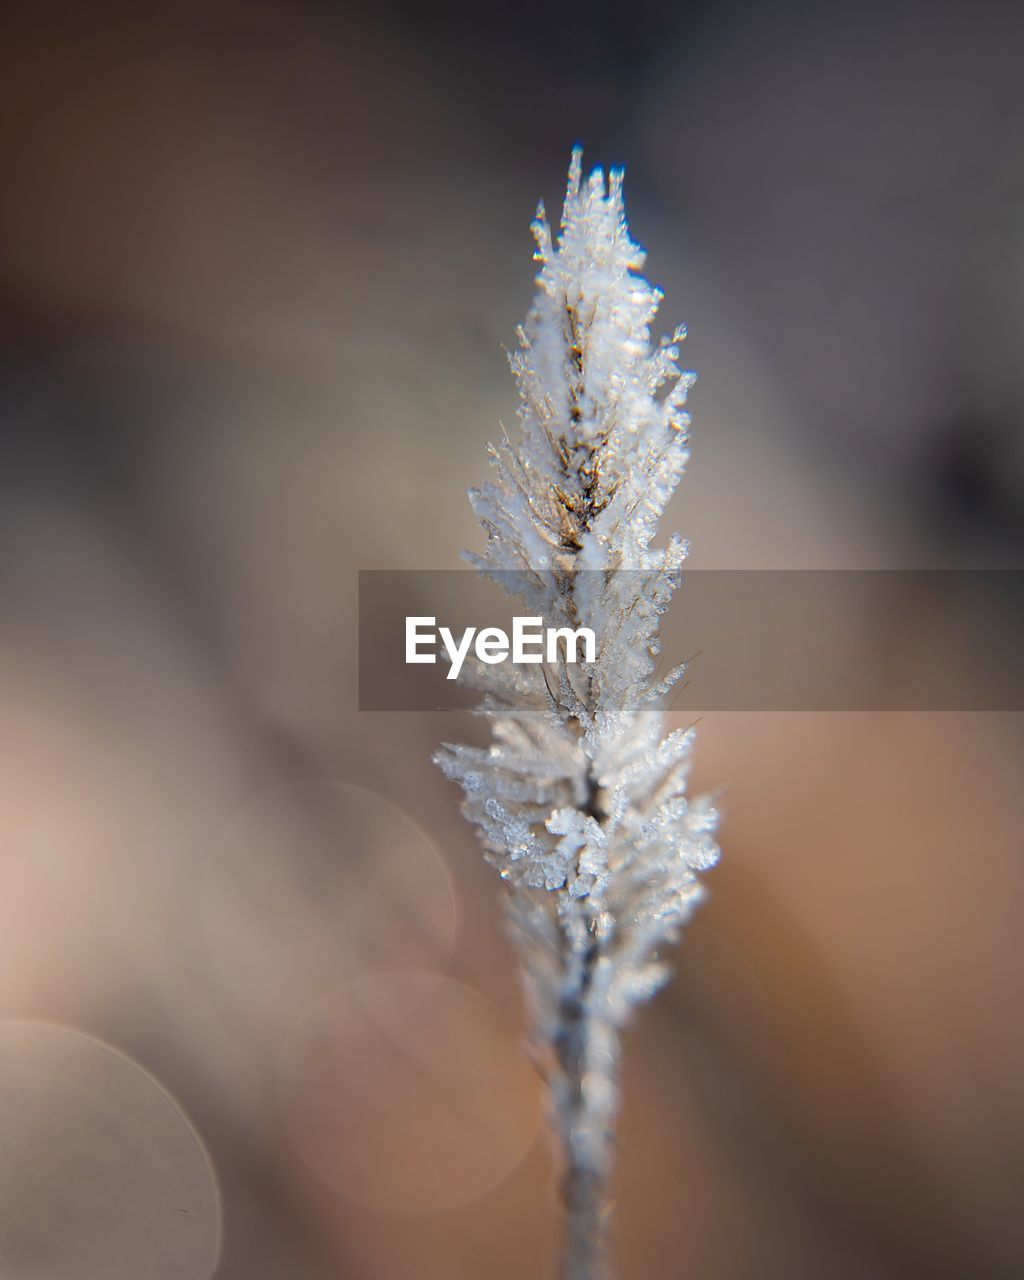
x,y
581,797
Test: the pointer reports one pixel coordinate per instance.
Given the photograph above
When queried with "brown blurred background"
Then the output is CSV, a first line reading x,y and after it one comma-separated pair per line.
x,y
257,261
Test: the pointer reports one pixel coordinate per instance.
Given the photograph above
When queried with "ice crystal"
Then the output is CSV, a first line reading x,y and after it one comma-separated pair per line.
x,y
581,799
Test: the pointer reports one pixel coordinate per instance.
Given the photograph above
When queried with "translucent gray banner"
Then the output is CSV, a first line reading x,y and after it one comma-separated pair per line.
x,y
754,640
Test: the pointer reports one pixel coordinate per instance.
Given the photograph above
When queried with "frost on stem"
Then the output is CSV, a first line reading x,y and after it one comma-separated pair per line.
x,y
581,797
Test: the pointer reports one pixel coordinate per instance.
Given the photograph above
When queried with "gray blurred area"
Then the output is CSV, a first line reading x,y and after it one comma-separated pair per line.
x,y
257,264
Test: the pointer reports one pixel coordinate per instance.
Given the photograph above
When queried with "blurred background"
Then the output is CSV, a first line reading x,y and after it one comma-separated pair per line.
x,y
258,1015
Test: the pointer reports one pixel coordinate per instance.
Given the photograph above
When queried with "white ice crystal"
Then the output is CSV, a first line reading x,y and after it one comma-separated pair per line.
x,y
581,797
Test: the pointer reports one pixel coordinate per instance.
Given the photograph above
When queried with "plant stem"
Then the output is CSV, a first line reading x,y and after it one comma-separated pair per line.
x,y
584,1254
586,1050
